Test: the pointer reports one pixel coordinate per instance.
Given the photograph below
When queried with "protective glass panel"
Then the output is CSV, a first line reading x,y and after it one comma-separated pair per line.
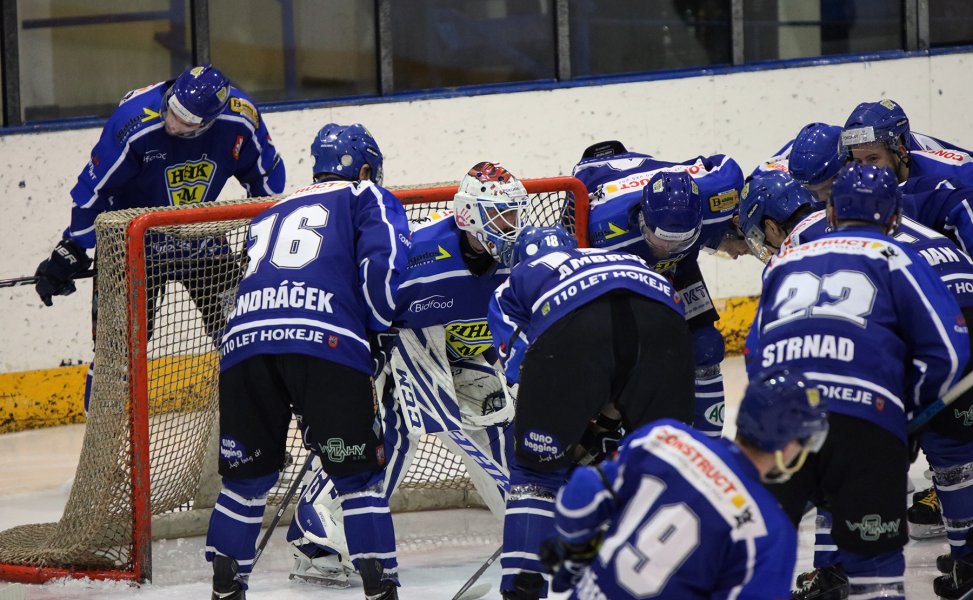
x,y
775,29
445,43
295,50
621,36
950,22
79,57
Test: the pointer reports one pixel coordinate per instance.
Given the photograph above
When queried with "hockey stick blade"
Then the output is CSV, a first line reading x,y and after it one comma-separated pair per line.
x,y
930,412
477,591
32,279
468,586
282,508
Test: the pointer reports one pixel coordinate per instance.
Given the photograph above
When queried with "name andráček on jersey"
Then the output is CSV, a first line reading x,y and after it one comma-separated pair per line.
x,y
286,295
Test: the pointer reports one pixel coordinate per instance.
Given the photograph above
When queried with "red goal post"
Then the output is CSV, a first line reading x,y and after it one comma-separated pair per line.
x,y
148,458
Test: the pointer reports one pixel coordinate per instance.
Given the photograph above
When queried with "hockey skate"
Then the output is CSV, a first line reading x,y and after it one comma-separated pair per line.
x,y
376,586
944,563
226,586
958,584
826,583
925,516
320,568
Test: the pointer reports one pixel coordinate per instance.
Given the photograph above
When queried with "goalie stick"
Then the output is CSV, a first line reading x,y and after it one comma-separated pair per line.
x,y
32,279
298,479
930,412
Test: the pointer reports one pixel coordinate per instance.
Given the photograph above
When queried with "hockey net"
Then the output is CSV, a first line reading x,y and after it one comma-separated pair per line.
x,y
148,462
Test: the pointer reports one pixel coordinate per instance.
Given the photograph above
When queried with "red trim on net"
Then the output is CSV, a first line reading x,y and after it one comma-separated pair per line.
x,y
138,364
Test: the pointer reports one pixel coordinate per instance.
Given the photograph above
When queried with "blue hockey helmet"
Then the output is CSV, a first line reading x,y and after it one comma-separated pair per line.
x,y
197,97
778,406
866,193
536,241
343,150
671,213
490,204
817,154
876,122
772,195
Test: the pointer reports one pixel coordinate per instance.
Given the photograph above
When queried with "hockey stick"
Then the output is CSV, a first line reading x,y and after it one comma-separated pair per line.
x,y
469,582
298,479
930,412
32,279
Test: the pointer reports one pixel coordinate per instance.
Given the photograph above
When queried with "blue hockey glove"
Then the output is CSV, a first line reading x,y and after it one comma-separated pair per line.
x,y
382,344
55,276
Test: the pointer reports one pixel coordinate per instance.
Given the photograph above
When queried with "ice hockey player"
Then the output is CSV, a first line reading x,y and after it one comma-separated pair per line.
x,y
948,442
651,208
562,312
456,260
940,176
677,514
879,133
866,291
324,267
172,143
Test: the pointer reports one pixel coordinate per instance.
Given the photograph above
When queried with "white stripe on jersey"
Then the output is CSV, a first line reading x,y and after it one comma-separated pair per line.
x,y
358,190
751,562
582,274
848,380
294,322
577,513
118,162
447,275
941,329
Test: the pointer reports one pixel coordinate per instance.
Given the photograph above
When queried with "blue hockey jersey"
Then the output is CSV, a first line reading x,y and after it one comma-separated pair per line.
x,y
932,157
866,319
780,161
438,288
137,164
541,291
616,186
953,266
687,518
324,268
942,204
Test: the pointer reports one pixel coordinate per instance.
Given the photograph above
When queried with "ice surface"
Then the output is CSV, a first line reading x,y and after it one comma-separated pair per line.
x,y
438,550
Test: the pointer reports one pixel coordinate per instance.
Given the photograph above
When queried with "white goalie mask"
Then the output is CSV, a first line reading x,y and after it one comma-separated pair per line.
x,y
490,204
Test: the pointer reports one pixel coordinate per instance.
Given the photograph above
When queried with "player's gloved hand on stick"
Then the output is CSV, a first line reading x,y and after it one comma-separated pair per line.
x,y
567,562
55,276
382,344
601,440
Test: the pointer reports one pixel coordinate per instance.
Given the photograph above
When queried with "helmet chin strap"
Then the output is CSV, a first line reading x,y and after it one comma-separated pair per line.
x,y
781,472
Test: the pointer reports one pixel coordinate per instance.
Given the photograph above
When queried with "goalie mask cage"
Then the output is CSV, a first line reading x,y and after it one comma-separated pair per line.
x,y
148,464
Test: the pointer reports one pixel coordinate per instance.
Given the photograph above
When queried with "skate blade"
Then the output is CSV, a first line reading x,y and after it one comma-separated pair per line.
x,y
325,582
926,532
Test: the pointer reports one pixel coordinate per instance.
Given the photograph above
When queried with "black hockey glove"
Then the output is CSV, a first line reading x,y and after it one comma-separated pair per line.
x,y
601,440
567,562
382,344
55,276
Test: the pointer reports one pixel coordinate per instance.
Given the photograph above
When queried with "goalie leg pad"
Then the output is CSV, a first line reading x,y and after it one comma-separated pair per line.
x,y
236,520
528,522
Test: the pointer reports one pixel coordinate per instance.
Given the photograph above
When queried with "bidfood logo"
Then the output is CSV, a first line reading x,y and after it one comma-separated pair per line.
x,y
431,303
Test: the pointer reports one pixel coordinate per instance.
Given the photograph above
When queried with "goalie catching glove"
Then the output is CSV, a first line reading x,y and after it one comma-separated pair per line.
x,y
55,276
